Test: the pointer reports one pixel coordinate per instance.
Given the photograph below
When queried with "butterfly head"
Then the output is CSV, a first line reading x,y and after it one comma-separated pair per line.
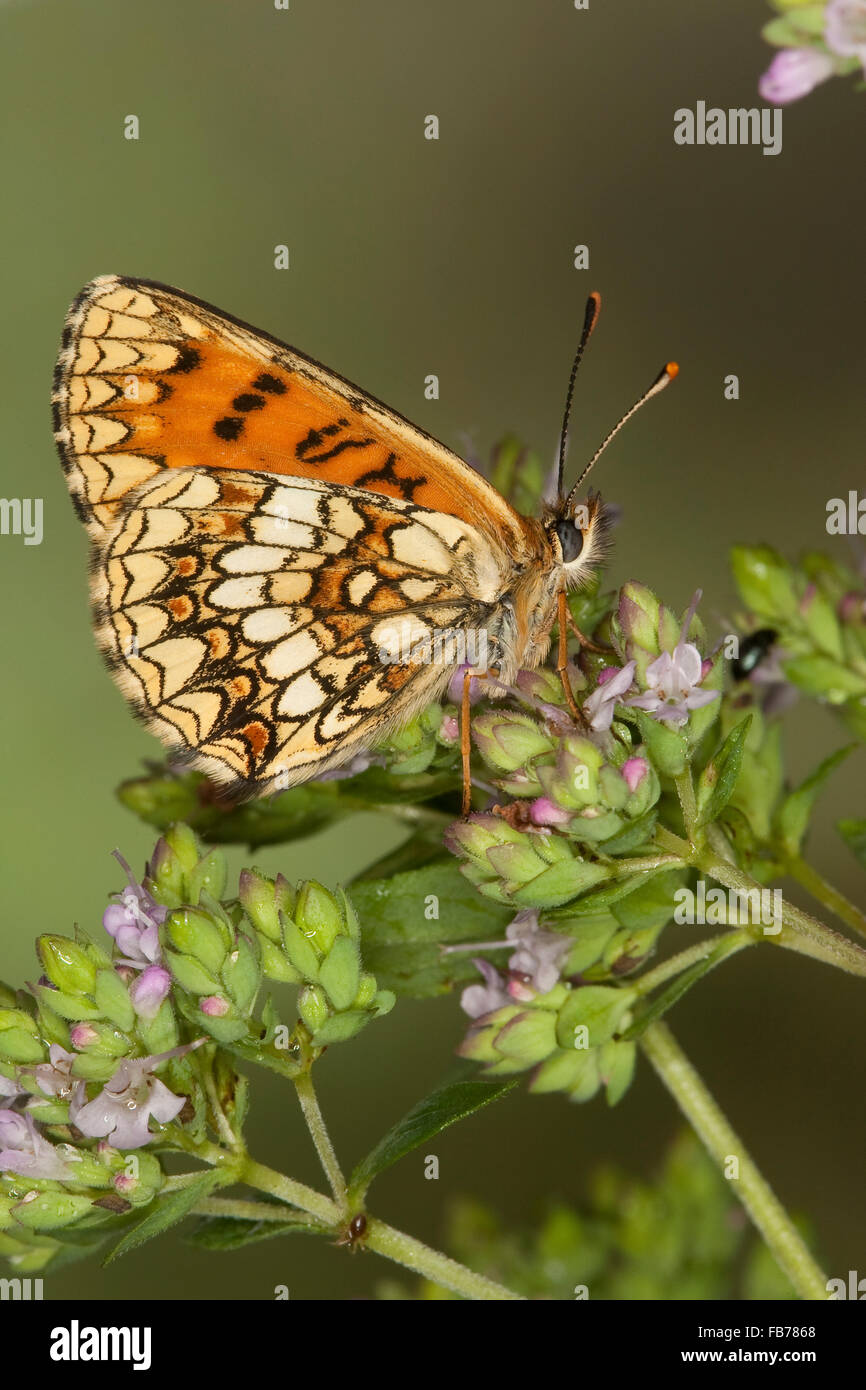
x,y
578,533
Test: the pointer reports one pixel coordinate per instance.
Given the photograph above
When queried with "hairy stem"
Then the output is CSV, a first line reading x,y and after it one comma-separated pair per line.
x,y
435,1266
384,1239
824,892
723,1144
320,1136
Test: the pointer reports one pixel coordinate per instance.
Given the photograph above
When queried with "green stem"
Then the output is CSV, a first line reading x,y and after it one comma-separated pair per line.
x,y
688,805
723,1144
320,1136
800,932
384,1239
435,1266
824,892
722,946
297,1194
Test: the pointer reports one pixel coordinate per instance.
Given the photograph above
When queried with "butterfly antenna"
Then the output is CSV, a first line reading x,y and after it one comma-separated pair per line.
x,y
590,319
664,378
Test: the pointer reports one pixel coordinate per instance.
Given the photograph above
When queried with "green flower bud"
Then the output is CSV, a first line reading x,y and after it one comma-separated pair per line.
x,y
66,964
111,997
635,626
318,916
197,934
209,876
50,1210
19,1037
300,953
507,739
242,974
159,1034
190,974
263,900
341,1027
529,1038
313,1007
565,1070
616,1062
277,966
93,1066
100,1039
366,991
599,1009
340,972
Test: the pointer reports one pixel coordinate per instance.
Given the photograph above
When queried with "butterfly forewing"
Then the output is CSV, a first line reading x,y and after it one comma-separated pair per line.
x,y
274,553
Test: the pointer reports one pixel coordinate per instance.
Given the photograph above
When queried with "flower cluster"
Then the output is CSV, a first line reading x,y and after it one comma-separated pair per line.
x,y
115,1050
816,42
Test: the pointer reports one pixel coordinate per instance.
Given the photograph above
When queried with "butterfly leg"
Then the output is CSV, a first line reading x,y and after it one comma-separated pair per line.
x,y
562,658
584,640
466,744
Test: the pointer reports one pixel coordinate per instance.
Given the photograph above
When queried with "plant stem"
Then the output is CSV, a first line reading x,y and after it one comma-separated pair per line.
x,y
825,893
688,805
320,1136
800,932
435,1266
297,1194
384,1239
725,945
722,1144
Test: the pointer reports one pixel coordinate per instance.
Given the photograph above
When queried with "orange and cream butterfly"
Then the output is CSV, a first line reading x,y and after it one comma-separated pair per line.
x,y
275,553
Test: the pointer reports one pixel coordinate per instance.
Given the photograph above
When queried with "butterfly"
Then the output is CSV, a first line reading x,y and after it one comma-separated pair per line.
x,y
284,570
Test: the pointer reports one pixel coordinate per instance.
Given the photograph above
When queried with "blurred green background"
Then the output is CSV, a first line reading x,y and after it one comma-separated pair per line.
x,y
453,257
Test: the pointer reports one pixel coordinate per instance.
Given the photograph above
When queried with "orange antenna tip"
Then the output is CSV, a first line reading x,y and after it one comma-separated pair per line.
x,y
672,369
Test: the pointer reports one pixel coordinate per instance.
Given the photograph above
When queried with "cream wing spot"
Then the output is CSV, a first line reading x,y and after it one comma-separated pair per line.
x,y
417,547
360,585
301,696
291,656
267,625
252,559
239,593
179,658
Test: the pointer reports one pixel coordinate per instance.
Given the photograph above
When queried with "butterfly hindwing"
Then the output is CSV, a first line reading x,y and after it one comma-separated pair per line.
x,y
268,627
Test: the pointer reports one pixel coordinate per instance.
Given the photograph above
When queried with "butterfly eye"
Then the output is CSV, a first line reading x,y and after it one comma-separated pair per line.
x,y
570,539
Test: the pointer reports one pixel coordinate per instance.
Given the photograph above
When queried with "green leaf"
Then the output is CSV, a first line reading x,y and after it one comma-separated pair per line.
x,y
443,1107
853,832
719,777
404,919
518,474
166,1212
666,747
792,818
231,1233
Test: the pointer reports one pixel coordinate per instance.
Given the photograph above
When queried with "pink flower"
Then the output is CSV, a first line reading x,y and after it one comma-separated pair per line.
x,y
539,953
54,1077
214,1006
673,680
149,989
134,920
634,770
477,1000
612,685
543,811
793,73
122,1110
23,1150
845,28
